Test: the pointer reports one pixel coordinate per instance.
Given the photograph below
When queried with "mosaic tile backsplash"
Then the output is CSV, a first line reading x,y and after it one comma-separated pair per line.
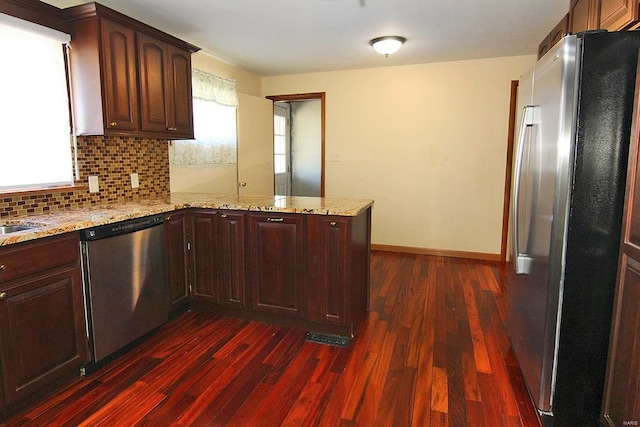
x,y
113,160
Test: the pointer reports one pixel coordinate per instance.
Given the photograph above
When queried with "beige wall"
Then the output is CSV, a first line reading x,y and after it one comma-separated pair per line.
x,y
248,83
221,179
426,142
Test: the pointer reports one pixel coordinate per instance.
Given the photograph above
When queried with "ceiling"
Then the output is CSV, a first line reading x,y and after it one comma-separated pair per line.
x,y
276,37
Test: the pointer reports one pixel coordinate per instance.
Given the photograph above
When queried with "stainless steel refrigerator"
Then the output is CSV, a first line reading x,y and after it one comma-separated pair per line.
x,y
568,188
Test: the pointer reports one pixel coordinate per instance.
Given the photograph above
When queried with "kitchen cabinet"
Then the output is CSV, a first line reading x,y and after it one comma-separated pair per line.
x,y
622,392
120,77
128,79
165,88
217,257
300,270
203,255
176,248
43,340
554,36
618,15
583,15
231,250
277,263
3,404
336,291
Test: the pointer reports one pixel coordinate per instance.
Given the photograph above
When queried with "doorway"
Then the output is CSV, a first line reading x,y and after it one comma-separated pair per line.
x,y
299,144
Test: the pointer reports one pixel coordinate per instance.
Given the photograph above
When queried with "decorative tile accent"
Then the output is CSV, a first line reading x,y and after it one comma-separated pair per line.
x,y
113,160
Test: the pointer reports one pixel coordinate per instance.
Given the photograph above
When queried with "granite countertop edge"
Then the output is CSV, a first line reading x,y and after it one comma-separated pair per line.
x,y
64,221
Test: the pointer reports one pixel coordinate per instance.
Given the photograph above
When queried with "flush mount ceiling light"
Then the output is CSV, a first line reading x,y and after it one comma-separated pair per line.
x,y
387,45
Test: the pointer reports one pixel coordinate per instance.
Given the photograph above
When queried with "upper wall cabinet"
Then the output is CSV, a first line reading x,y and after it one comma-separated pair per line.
x,y
165,87
128,79
554,36
618,14
583,15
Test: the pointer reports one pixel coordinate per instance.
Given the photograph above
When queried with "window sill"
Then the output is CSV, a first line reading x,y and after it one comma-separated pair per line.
x,y
40,191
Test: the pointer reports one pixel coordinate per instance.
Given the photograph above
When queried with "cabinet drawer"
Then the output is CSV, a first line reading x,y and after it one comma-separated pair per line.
x,y
31,257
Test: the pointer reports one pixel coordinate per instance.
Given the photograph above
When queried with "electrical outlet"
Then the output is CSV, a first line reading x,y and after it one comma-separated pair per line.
x,y
135,183
334,157
94,187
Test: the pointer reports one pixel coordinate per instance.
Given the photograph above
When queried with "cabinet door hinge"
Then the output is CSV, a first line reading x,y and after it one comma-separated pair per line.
x,y
188,246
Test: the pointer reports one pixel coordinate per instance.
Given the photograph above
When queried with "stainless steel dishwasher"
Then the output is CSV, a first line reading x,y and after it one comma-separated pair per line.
x,y
125,285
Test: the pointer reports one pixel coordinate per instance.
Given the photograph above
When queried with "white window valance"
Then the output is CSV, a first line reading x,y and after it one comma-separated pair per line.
x,y
210,87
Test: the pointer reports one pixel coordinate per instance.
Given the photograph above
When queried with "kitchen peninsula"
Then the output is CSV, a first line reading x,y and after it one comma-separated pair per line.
x,y
295,261
303,259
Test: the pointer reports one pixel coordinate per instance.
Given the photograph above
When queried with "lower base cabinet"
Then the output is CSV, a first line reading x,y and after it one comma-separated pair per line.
x,y
176,248
336,291
217,258
203,255
43,340
277,264
302,270
232,257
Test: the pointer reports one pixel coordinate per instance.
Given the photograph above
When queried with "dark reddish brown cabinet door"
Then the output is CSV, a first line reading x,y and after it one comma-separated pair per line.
x,y
43,339
154,90
42,335
622,386
120,79
231,250
165,88
181,104
277,263
176,241
204,255
326,296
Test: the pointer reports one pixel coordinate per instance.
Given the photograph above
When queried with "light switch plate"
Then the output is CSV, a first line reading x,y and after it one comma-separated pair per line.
x,y
135,183
94,187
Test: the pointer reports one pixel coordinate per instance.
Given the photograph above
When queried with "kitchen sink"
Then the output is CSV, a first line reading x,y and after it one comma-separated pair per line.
x,y
8,229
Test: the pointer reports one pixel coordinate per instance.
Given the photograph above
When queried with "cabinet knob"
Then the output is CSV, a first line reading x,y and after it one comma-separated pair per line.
x,y
113,124
3,295
172,128
242,184
3,267
168,218
223,216
333,223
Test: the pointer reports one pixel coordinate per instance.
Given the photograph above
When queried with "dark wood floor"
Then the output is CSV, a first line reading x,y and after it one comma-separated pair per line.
x,y
432,352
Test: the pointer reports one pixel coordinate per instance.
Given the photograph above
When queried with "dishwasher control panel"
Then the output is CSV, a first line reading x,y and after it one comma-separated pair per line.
x,y
122,227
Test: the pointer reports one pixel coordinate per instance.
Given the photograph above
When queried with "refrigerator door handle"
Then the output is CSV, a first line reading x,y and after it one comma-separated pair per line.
x,y
521,262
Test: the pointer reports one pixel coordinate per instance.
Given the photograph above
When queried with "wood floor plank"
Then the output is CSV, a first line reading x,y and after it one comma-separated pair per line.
x,y
432,351
471,387
283,402
356,396
406,397
373,392
480,354
282,391
439,391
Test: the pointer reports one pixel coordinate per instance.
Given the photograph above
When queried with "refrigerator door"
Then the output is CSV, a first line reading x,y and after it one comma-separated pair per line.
x,y
539,217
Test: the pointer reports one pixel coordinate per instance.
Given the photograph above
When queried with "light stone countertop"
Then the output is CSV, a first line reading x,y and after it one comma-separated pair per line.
x,y
60,222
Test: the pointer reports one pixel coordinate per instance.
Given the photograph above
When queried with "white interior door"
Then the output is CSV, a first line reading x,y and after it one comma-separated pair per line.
x,y
255,146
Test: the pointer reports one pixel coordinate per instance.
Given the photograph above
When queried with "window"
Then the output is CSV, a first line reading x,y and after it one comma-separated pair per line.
x,y
279,144
34,107
214,123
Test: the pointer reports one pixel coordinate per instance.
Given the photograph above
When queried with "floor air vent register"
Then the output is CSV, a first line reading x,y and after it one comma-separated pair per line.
x,y
335,340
